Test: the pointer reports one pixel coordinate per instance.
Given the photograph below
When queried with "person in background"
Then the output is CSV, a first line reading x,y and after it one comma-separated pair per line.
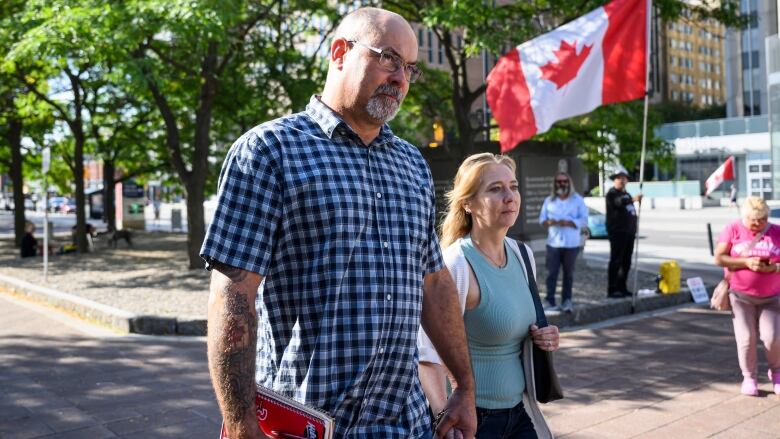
x,y
495,297
29,243
621,231
749,248
564,214
733,196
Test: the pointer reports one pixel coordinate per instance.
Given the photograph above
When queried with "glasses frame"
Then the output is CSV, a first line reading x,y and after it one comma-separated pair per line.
x,y
412,73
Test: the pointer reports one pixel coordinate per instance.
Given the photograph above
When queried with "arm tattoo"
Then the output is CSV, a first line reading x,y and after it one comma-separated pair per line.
x,y
234,358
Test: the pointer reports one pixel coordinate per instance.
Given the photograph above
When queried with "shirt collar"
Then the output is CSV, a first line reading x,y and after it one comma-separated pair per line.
x,y
329,121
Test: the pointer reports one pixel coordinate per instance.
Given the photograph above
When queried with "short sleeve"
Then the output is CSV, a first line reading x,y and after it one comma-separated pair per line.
x,y
543,212
248,208
727,234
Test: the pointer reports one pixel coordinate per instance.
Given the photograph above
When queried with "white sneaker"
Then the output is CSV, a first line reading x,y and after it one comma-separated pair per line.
x,y
567,306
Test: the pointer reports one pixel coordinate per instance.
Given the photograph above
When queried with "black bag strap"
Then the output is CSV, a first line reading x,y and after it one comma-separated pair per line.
x,y
541,319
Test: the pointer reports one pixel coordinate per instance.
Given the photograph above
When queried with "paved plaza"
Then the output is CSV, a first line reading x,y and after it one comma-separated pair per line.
x,y
671,374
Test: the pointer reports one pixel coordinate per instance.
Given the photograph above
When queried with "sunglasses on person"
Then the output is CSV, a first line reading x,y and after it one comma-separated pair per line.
x,y
392,62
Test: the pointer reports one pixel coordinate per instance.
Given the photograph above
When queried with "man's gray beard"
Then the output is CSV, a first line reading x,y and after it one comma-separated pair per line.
x,y
561,192
382,108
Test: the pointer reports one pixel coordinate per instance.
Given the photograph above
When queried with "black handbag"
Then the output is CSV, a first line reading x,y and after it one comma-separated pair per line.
x,y
548,388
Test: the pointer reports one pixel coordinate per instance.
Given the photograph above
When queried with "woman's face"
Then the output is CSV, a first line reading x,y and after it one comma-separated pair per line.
x,y
497,201
754,222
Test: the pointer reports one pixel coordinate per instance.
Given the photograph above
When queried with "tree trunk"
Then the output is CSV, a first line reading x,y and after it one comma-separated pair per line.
x,y
196,226
109,190
78,175
14,138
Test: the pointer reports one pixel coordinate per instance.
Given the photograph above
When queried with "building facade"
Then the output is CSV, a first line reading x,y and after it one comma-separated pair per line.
x,y
689,61
746,59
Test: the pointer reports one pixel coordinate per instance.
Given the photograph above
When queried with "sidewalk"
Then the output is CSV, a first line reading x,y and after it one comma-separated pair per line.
x,y
672,375
148,288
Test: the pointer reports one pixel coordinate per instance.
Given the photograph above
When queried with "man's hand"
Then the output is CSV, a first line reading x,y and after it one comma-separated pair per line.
x,y
460,416
567,223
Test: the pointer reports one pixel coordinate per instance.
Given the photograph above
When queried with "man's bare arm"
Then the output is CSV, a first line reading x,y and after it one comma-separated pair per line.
x,y
443,323
232,346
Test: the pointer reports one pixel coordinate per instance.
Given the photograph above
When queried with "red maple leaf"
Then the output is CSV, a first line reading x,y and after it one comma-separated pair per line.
x,y
569,63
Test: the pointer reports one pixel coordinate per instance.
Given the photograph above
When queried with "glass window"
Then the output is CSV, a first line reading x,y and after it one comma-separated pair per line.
x,y
755,184
430,47
765,168
753,168
420,37
767,183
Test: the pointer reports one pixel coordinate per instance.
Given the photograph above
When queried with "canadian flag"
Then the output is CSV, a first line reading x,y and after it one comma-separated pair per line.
x,y
724,172
597,59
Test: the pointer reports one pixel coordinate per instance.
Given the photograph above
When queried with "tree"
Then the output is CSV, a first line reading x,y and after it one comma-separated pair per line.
x,y
219,68
19,117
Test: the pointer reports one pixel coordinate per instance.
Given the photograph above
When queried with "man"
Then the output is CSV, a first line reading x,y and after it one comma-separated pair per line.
x,y
621,230
332,217
564,214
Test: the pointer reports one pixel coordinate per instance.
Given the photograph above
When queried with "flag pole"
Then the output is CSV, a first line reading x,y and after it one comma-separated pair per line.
x,y
648,36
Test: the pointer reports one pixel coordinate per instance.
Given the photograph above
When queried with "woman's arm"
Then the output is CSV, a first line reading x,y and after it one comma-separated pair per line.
x,y
433,378
724,259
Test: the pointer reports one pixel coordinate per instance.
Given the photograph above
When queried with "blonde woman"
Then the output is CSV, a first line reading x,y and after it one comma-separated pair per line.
x,y
749,249
499,312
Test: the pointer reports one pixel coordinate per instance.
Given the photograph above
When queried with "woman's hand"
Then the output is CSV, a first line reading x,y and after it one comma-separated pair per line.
x,y
754,264
546,338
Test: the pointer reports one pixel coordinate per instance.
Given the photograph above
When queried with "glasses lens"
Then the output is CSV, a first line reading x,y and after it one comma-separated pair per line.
x,y
561,181
413,73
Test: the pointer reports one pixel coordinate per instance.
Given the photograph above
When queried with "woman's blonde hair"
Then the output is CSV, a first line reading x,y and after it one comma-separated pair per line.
x,y
755,207
456,223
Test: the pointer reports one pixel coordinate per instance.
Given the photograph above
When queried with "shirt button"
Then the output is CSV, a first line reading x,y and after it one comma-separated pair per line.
x,y
386,244
389,297
379,194
381,350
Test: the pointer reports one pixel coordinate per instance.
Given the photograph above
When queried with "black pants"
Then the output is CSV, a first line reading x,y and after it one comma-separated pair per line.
x,y
511,423
621,249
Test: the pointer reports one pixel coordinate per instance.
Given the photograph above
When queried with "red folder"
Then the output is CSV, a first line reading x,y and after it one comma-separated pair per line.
x,y
284,418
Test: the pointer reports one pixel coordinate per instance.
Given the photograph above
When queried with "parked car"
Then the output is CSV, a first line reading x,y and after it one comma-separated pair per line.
x,y
69,206
55,203
597,224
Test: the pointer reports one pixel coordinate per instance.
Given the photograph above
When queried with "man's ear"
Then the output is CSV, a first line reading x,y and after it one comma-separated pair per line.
x,y
338,50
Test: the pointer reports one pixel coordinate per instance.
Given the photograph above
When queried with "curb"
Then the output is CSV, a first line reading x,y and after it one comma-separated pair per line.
x,y
127,322
586,314
115,318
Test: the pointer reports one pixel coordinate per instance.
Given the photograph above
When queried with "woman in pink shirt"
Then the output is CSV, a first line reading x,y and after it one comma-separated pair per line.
x,y
750,250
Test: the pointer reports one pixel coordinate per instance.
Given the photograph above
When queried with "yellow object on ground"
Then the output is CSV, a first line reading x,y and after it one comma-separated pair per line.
x,y
670,277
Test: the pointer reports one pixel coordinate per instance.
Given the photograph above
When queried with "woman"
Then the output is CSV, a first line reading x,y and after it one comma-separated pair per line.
x,y
564,214
749,249
499,312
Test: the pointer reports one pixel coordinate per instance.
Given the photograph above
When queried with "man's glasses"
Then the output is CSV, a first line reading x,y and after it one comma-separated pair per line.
x,y
392,62
562,181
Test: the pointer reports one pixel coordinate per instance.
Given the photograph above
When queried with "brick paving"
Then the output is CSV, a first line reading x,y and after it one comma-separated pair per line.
x,y
673,374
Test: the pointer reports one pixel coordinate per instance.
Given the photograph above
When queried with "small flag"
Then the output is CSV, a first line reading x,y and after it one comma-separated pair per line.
x,y
724,172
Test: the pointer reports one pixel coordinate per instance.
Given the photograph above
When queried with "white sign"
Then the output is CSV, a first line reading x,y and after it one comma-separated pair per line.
x,y
698,290
46,159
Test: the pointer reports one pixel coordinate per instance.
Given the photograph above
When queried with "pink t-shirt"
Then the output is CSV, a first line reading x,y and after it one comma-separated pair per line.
x,y
747,281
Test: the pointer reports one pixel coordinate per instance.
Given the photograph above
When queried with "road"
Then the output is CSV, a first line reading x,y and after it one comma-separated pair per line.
x,y
679,235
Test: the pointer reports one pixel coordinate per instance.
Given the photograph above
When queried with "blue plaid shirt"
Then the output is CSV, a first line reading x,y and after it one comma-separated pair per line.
x,y
343,234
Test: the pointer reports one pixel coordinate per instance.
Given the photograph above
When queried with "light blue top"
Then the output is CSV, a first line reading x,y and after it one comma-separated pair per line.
x,y
573,209
496,328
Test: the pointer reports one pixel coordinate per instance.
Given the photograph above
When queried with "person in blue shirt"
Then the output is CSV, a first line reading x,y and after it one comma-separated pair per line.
x,y
564,214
